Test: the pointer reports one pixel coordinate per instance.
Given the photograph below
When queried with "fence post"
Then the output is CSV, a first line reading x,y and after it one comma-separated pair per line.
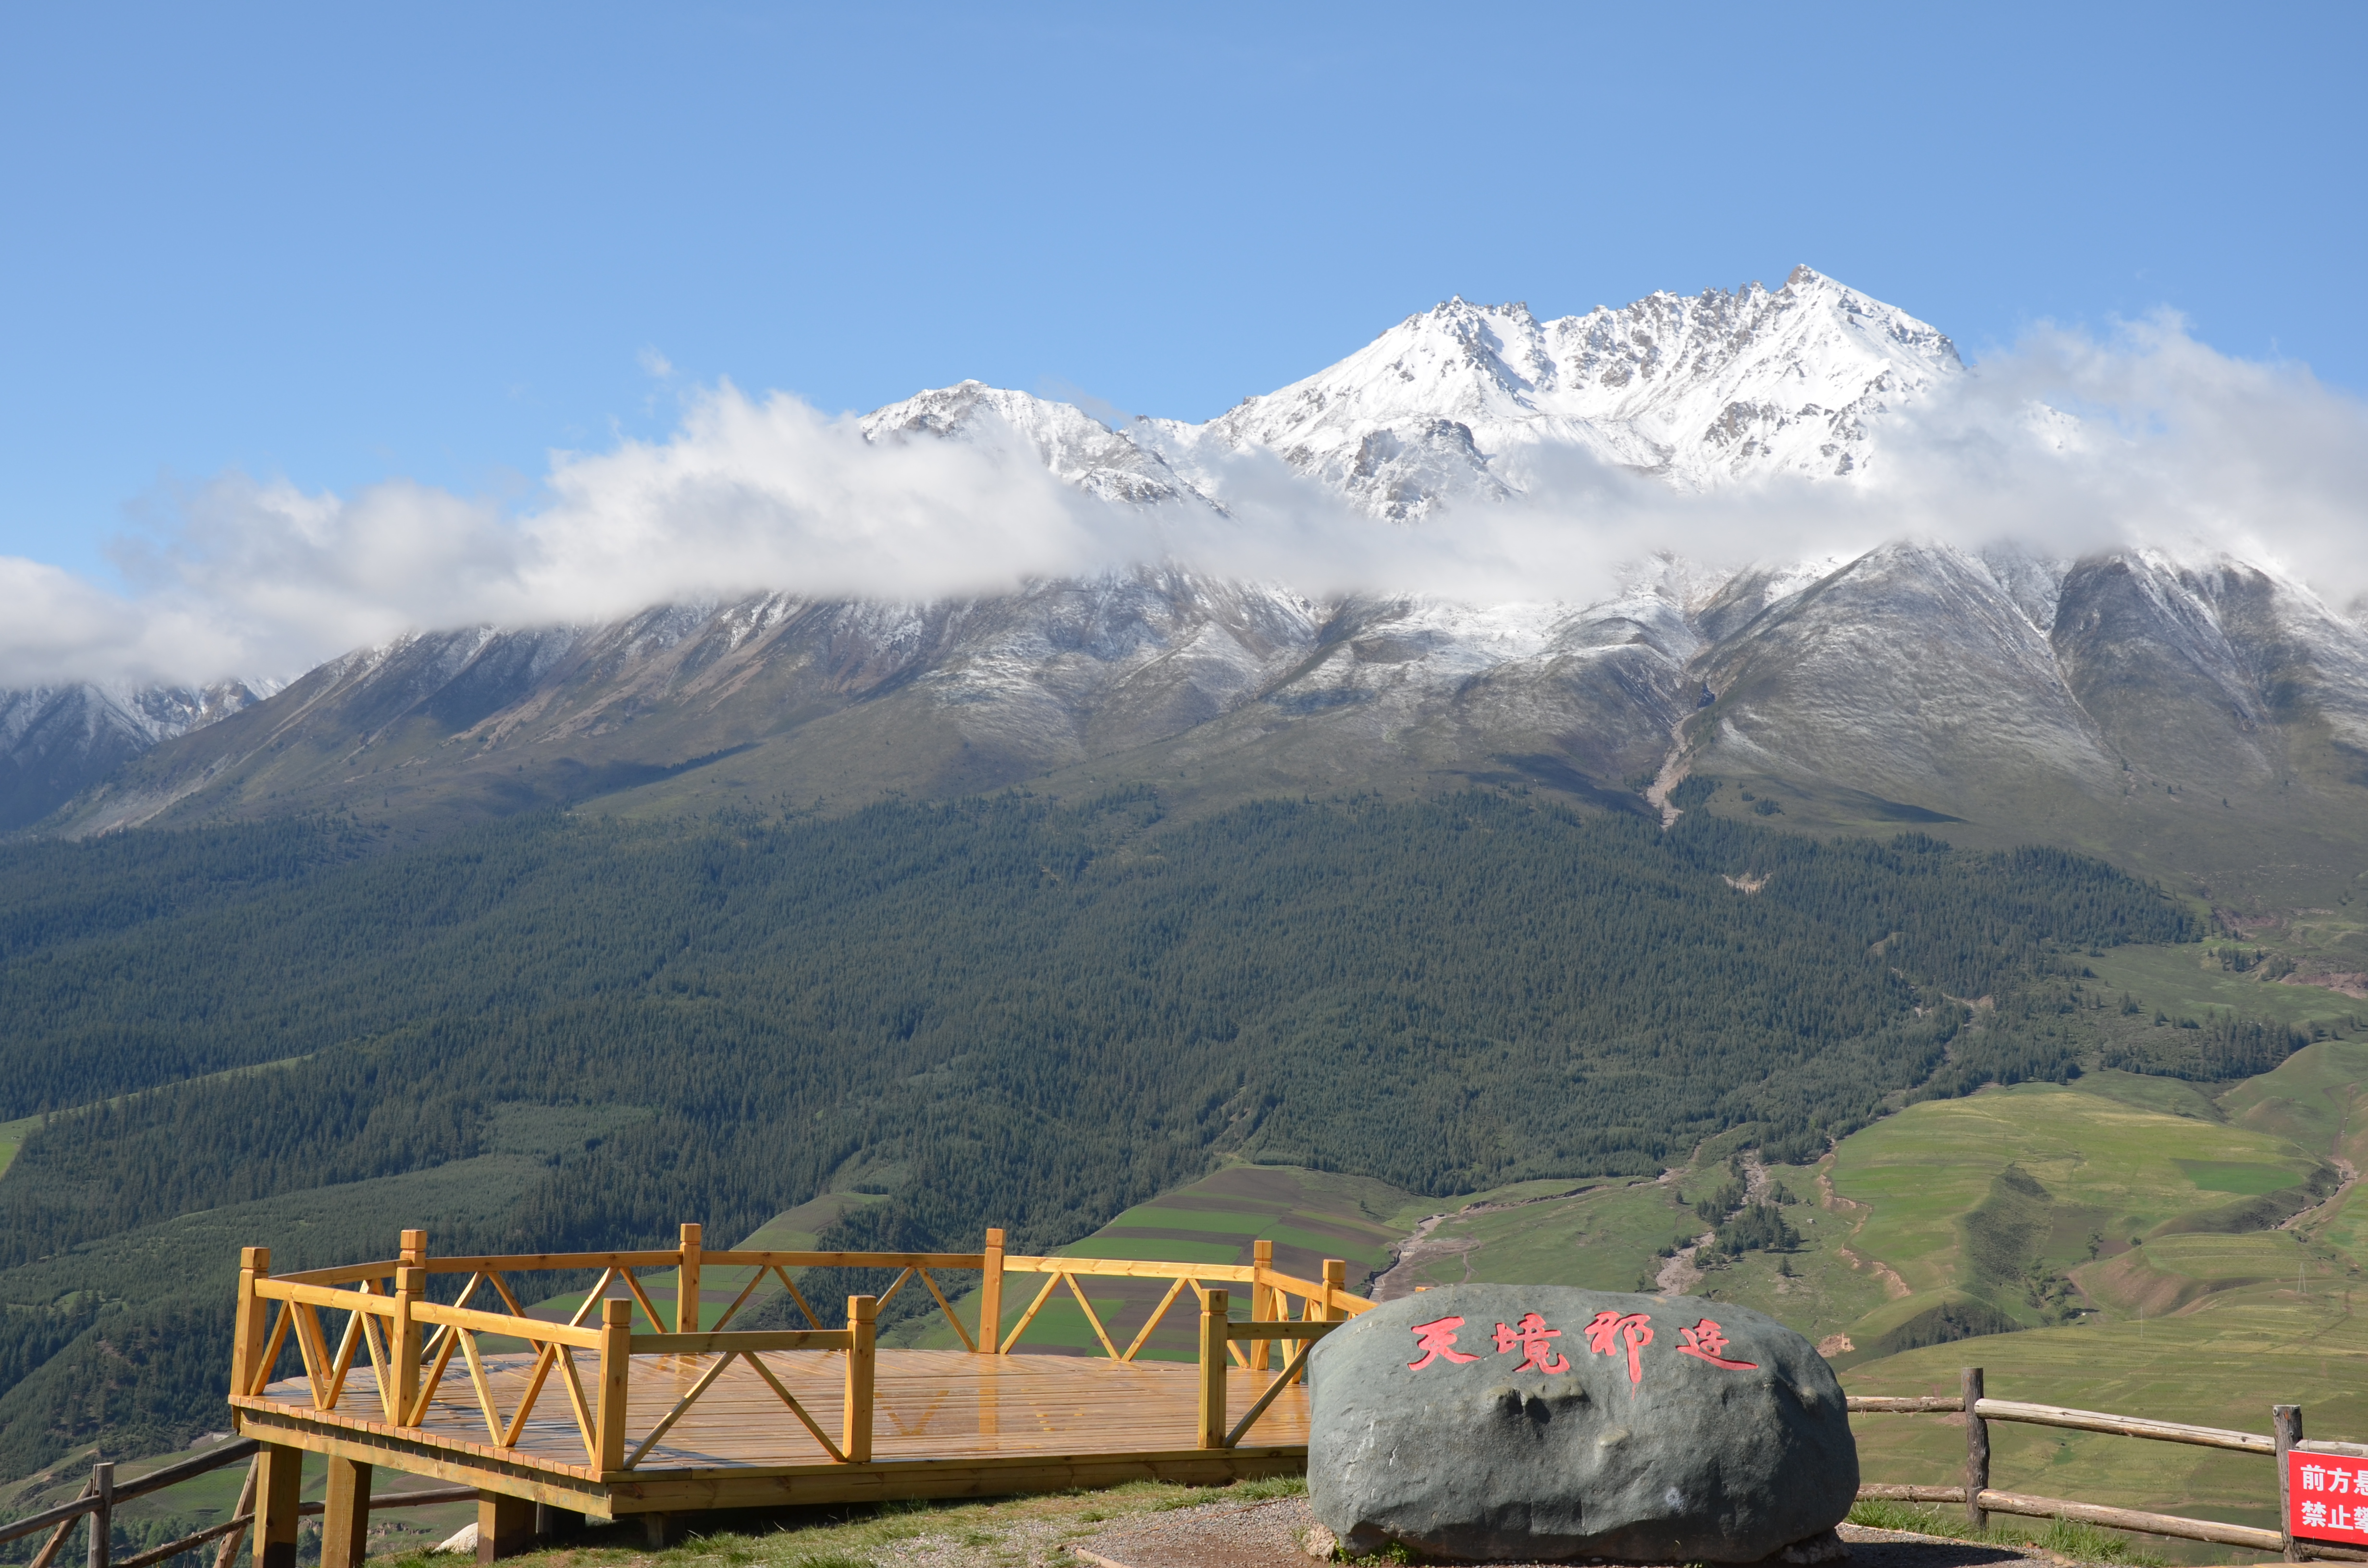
x,y
1214,1307
2285,1430
1336,1285
990,1297
854,1440
1977,1452
402,1338
410,1287
685,1284
1261,1300
102,1512
253,1320
616,1375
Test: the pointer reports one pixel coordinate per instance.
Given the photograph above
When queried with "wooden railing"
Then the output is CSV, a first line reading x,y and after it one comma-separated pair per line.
x,y
411,1341
101,1494
1980,1499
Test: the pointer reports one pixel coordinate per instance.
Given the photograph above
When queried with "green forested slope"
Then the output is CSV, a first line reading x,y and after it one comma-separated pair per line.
x,y
996,1011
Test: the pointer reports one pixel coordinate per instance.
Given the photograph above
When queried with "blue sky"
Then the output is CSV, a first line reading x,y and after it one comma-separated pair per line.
x,y
338,245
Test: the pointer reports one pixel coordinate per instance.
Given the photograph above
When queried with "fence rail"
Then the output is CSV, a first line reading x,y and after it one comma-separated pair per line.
x,y
102,1494
1980,1500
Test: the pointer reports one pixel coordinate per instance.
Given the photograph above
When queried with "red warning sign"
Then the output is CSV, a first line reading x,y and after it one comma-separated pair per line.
x,y
2327,1497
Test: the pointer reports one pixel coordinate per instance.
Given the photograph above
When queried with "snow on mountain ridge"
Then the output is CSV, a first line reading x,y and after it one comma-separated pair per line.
x,y
1450,404
1074,445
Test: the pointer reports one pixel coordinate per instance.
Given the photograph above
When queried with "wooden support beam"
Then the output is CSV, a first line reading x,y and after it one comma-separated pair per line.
x,y
990,1297
345,1516
855,1442
505,1526
277,1492
1214,1347
685,1284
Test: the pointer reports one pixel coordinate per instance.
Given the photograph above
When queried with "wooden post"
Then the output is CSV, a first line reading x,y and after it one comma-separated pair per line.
x,y
616,1375
1261,1300
1335,1286
254,1321
403,1337
505,1526
276,1497
2285,1430
854,1440
685,1284
990,1297
227,1553
102,1517
1214,1308
344,1515
1977,1452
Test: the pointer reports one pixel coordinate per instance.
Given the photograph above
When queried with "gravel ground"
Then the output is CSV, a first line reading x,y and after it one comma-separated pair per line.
x,y
1267,1535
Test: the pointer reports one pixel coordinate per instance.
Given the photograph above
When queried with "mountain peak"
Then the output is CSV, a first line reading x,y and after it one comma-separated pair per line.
x,y
1454,404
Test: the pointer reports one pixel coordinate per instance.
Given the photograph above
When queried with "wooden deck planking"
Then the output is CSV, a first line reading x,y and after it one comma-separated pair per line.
x,y
929,1405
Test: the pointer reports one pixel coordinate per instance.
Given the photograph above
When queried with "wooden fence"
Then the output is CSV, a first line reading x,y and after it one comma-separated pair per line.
x,y
101,1494
1980,1499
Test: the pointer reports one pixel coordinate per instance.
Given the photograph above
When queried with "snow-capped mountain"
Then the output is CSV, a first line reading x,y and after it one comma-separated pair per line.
x,y
1072,443
58,740
1459,403
2004,694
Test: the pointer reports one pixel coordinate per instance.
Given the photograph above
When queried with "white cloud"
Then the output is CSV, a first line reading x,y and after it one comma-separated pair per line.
x,y
2176,446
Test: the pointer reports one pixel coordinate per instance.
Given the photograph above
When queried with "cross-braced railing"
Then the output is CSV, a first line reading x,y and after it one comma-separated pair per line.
x,y
411,1341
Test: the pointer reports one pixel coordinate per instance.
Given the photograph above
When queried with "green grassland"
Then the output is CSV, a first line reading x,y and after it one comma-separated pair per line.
x,y
2188,981
2112,1173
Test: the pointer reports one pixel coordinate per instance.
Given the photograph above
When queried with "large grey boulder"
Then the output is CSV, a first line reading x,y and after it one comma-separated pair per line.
x,y
1527,1422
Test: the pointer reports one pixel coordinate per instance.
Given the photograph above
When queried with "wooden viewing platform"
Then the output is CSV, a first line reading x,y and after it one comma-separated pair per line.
x,y
598,1419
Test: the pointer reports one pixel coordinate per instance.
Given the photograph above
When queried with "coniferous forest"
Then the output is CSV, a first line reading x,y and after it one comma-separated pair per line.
x,y
1005,1011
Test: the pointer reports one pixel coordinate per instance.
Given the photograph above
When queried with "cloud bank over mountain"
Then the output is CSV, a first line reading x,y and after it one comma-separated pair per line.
x,y
2066,444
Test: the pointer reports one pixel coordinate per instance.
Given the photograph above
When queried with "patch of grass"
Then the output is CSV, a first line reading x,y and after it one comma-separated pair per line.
x,y
2186,981
2081,1543
1016,1529
2114,1170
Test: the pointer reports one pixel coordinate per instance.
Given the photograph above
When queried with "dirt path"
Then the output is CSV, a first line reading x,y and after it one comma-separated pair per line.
x,y
2349,1172
1418,1250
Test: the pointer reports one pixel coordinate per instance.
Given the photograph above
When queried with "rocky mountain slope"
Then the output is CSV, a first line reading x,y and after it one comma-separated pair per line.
x,y
56,741
2114,702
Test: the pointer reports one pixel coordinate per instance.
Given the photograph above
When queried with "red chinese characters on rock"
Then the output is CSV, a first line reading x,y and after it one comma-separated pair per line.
x,y
1704,1341
1530,1339
1610,1330
1611,1333
1436,1339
